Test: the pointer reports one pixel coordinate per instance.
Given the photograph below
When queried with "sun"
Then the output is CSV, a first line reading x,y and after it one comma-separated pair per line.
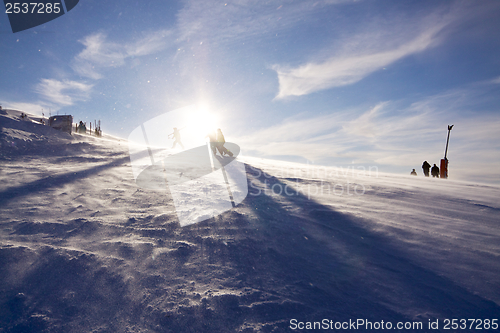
x,y
202,121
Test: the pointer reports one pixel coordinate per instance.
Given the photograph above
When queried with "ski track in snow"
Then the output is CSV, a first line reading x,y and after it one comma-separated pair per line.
x,y
83,248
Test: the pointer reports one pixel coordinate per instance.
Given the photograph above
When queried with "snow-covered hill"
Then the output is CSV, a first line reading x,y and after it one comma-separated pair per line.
x,y
84,249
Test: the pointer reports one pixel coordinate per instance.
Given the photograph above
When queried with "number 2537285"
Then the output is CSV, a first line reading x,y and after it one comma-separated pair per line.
x,y
32,8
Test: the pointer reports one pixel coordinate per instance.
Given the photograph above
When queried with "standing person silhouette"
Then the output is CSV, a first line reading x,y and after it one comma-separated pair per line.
x,y
426,166
220,144
82,128
177,138
435,171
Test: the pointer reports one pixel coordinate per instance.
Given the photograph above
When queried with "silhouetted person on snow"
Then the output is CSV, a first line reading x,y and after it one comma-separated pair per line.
x,y
220,144
177,138
426,166
435,171
82,128
413,172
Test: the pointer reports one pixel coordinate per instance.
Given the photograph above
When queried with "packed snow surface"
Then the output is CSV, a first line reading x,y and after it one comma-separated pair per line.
x,y
84,249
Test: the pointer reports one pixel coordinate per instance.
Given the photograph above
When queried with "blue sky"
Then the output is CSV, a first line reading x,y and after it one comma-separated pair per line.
x,y
332,82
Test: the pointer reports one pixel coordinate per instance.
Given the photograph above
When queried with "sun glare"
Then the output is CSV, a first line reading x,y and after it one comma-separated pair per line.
x,y
202,122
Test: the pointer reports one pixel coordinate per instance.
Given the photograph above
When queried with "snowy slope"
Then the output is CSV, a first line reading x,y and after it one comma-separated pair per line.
x,y
83,248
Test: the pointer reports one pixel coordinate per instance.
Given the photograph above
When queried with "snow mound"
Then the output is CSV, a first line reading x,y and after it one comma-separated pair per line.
x,y
28,136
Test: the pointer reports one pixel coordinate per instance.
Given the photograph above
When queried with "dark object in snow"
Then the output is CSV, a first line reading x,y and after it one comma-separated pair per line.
x,y
435,171
413,172
82,128
444,161
426,166
443,172
220,144
97,128
63,123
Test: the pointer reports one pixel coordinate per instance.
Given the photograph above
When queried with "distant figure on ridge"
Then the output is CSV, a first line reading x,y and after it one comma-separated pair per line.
x,y
426,166
82,128
177,138
435,171
413,172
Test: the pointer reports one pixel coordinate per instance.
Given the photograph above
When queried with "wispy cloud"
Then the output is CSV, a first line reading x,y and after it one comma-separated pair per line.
x,y
148,44
100,53
309,138
361,55
229,21
496,80
63,93
364,125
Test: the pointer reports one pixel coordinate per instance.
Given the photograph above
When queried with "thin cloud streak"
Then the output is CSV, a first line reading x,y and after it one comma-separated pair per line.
x,y
63,93
100,53
358,55
347,69
496,81
220,22
308,138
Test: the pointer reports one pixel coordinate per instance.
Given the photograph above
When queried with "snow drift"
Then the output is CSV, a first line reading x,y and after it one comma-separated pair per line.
x,y
83,248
